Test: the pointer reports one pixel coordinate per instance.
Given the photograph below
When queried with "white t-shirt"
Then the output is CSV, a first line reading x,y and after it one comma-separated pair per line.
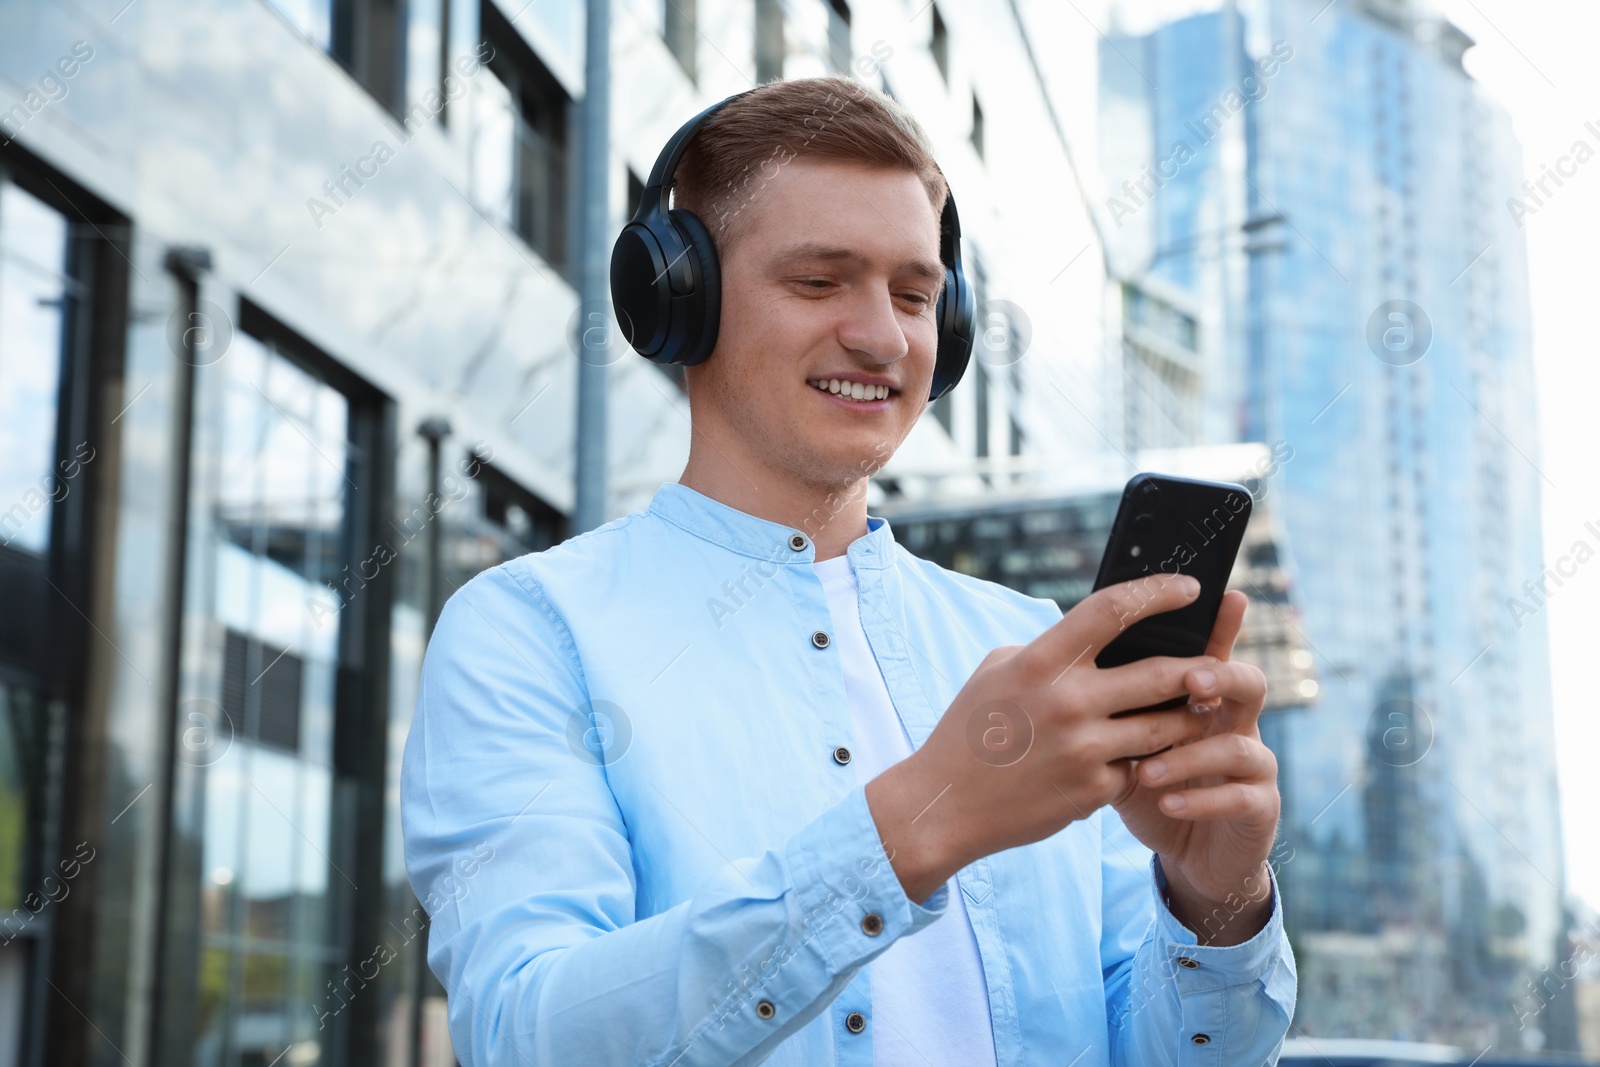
x,y
930,1004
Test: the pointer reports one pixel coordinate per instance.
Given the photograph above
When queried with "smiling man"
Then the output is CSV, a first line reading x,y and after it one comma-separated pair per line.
x,y
737,779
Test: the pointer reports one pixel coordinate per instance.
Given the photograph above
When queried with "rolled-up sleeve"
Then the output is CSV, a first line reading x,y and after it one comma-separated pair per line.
x,y
1171,1000
516,847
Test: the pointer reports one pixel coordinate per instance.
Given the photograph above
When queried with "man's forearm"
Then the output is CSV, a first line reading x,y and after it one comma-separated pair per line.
x,y
922,852
535,984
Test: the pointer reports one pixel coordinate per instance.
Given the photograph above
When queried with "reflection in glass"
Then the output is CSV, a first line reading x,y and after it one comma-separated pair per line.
x,y
270,946
33,290
37,297
310,17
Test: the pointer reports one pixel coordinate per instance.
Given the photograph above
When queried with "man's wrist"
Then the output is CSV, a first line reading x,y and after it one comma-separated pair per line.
x,y
921,851
1236,918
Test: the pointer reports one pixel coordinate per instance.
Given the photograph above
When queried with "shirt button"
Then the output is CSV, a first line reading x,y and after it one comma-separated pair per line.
x,y
820,639
766,1010
872,924
855,1022
1201,1039
798,542
1185,961
841,755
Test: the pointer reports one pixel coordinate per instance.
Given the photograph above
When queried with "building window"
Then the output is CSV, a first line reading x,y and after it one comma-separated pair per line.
x,y
678,31
282,682
45,465
313,18
519,152
839,36
369,42
1017,435
769,41
427,63
395,48
939,45
521,520
977,127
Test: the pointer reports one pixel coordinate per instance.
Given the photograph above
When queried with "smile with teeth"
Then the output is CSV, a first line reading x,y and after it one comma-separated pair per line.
x,y
849,390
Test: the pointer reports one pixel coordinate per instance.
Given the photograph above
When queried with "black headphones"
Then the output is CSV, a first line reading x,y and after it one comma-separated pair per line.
x,y
666,283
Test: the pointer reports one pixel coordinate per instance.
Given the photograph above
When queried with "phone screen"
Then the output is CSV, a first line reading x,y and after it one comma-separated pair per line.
x,y
1171,525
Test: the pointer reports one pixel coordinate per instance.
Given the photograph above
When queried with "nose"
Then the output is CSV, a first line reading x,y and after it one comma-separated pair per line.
x,y
872,328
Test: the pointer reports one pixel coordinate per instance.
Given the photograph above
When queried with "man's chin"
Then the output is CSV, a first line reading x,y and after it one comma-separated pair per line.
x,y
837,463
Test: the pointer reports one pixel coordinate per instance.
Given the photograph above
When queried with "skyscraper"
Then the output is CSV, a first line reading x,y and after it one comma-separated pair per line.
x,y
1333,187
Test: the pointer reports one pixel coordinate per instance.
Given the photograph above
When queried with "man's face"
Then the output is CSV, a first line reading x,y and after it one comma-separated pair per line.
x,y
833,274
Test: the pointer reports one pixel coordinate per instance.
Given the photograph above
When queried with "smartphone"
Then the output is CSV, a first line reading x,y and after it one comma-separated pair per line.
x,y
1171,525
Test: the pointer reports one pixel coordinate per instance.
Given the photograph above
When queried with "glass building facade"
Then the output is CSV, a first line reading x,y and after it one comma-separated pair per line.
x,y
1331,182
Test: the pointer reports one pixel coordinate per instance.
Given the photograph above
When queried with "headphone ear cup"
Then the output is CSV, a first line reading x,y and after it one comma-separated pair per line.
x,y
701,309
955,314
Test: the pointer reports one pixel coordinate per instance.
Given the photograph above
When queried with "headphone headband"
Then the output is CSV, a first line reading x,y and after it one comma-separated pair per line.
x,y
659,186
666,282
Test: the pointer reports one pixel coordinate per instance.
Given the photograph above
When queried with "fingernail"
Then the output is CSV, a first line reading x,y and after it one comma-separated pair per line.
x,y
1191,585
1205,680
1155,769
1174,803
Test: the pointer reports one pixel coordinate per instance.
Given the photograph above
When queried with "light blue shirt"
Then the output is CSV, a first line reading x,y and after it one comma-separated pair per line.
x,y
624,811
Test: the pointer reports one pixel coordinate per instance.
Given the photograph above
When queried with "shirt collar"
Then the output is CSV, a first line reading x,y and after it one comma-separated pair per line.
x,y
738,531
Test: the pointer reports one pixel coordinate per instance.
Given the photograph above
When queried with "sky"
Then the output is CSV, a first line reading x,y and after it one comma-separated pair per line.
x,y
1537,58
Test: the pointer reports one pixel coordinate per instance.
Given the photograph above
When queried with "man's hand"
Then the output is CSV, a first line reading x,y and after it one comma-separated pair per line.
x,y
1030,745
1209,807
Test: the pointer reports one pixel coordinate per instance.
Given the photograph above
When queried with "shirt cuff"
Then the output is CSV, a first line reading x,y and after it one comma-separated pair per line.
x,y
1198,968
847,889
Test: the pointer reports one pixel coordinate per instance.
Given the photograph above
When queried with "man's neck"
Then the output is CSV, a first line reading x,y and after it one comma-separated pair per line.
x,y
831,517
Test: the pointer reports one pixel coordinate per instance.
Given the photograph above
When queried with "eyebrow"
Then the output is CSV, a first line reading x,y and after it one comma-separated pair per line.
x,y
922,268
